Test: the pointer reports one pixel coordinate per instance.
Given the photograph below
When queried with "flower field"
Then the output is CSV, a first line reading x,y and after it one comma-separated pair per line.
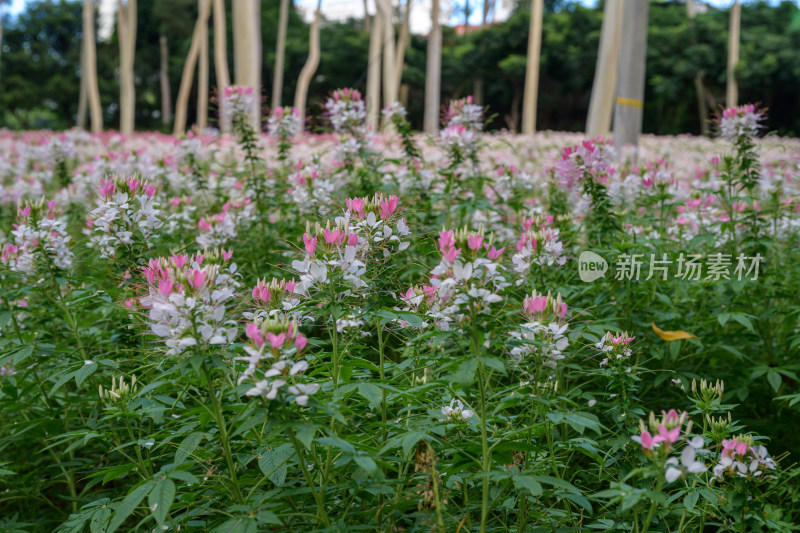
x,y
359,331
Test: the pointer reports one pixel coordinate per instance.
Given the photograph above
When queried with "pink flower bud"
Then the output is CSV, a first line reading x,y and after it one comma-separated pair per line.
x,y
310,242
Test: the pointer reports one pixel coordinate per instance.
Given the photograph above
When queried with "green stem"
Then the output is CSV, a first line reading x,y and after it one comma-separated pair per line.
x,y
436,500
142,465
485,463
653,505
301,458
223,435
485,452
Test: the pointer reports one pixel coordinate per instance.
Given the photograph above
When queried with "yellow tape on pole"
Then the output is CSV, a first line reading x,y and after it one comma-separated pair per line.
x,y
630,102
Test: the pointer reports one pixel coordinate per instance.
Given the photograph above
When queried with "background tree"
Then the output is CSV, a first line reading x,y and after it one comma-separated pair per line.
x,y
89,88
433,72
303,82
40,89
127,18
280,54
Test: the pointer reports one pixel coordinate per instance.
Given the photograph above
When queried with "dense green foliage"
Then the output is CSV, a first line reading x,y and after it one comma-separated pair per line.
x,y
429,358
40,64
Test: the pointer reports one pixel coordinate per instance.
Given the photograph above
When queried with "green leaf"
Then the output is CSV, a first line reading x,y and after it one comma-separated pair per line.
x,y
744,320
238,525
528,483
372,393
495,364
187,447
305,434
465,374
129,504
273,463
691,500
336,442
774,379
367,463
99,520
183,475
410,440
160,499
84,372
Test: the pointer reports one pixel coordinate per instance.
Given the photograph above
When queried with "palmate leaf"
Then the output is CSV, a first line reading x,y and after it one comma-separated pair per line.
x,y
129,504
160,499
273,463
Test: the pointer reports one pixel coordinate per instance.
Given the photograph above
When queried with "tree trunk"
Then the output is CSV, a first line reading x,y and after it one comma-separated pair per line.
x,y
512,119
702,108
83,110
366,17
530,98
221,59
402,44
433,72
630,91
163,75
304,80
374,71
202,75
280,53
732,89
247,52
182,103
700,91
90,67
126,32
488,5
601,105
389,66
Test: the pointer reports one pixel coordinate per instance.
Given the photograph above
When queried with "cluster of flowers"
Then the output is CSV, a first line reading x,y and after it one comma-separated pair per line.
x,y
456,413
538,244
280,344
221,228
368,225
663,437
274,299
237,103
508,181
347,113
389,111
284,123
40,239
460,283
126,208
615,348
740,121
462,131
309,189
181,215
588,160
543,337
378,221
186,298
740,457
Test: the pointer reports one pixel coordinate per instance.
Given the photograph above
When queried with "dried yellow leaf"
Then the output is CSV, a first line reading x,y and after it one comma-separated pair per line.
x,y
672,335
